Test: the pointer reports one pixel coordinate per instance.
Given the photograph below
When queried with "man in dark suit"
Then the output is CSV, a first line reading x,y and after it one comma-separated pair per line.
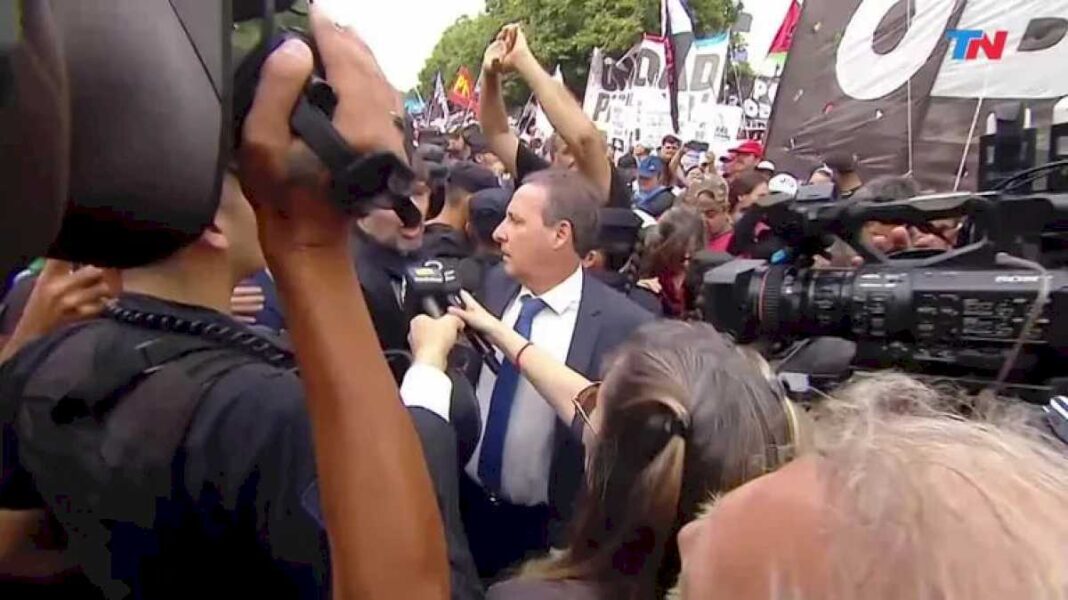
x,y
521,483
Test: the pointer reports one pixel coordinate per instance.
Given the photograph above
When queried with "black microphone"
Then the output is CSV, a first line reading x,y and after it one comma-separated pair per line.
x,y
435,282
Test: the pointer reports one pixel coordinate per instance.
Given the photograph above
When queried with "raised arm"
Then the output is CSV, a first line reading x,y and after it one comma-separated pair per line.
x,y
385,531
492,114
586,143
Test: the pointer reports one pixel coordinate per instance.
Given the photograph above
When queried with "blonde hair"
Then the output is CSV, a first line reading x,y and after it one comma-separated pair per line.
x,y
686,415
929,505
708,193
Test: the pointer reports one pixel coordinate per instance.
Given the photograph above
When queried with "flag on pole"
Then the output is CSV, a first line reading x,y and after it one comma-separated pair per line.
x,y
462,92
780,46
676,25
438,113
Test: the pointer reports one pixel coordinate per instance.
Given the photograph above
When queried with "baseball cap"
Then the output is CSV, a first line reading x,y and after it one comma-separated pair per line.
x,y
671,138
783,184
471,177
750,147
707,193
487,210
618,231
651,166
766,165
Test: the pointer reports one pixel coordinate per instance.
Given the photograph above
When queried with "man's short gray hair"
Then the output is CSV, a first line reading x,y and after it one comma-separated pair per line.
x,y
572,198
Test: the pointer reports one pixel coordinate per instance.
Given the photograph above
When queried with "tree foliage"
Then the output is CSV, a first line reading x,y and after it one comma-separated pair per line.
x,y
562,32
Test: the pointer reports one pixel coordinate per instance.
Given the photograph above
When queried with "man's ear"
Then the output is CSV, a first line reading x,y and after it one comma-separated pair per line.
x,y
563,235
214,236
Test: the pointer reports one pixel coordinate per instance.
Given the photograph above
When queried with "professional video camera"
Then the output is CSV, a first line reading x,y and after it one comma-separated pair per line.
x,y
989,311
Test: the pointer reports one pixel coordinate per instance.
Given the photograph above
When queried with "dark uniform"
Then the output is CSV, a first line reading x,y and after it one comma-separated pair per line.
x,y
195,478
162,499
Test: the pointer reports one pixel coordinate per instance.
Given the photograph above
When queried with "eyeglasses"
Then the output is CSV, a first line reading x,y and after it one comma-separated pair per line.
x,y
585,403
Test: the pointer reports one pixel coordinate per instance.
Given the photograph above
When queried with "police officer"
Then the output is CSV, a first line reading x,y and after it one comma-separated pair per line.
x,y
95,415
447,235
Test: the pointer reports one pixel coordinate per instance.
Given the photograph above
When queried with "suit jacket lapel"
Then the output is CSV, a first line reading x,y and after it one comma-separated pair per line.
x,y
499,291
587,328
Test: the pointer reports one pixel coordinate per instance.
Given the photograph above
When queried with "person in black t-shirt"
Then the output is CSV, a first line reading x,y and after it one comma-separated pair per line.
x,y
577,143
488,209
446,235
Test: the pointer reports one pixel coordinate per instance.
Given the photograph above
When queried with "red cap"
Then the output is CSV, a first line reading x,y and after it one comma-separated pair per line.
x,y
751,147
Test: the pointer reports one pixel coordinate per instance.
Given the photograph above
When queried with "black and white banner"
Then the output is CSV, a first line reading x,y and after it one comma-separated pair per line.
x,y
628,98
910,91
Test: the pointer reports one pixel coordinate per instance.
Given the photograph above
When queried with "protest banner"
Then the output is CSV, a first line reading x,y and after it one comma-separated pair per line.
x,y
911,92
628,98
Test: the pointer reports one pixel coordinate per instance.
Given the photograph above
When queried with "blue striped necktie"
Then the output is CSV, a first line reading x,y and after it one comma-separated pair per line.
x,y
492,457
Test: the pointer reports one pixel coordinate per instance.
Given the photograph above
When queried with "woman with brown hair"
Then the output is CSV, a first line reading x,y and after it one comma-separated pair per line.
x,y
668,247
682,415
745,189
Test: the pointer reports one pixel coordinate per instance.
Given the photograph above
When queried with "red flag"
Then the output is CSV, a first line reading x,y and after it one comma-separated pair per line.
x,y
785,37
462,92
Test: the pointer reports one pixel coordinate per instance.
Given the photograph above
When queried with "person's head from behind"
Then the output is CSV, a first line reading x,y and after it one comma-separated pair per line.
x,y
486,212
551,223
745,189
678,235
385,228
844,166
227,251
897,501
650,173
708,196
682,415
617,238
465,179
560,153
640,152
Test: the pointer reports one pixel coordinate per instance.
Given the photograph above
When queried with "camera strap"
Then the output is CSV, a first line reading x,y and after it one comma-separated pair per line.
x,y
378,177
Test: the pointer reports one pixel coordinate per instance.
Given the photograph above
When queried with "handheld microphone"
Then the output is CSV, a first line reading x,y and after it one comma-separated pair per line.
x,y
436,283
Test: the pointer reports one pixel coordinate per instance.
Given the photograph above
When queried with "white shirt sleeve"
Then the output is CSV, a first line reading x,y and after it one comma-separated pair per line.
x,y
427,387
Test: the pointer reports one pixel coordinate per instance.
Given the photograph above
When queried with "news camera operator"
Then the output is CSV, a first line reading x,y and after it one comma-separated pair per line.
x,y
385,532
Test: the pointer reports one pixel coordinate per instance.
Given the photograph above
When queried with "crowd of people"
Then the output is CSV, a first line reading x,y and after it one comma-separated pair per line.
x,y
171,430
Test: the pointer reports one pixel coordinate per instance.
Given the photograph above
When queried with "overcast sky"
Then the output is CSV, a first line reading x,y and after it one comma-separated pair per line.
x,y
402,33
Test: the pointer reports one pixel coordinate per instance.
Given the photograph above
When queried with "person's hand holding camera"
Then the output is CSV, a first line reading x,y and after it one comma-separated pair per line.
x,y
432,339
385,530
284,180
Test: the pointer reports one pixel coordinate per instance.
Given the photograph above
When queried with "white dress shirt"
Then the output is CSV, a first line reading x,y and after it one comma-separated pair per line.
x,y
427,387
528,444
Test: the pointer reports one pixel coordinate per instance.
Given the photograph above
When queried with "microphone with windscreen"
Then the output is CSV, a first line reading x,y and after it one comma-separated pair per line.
x,y
436,284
